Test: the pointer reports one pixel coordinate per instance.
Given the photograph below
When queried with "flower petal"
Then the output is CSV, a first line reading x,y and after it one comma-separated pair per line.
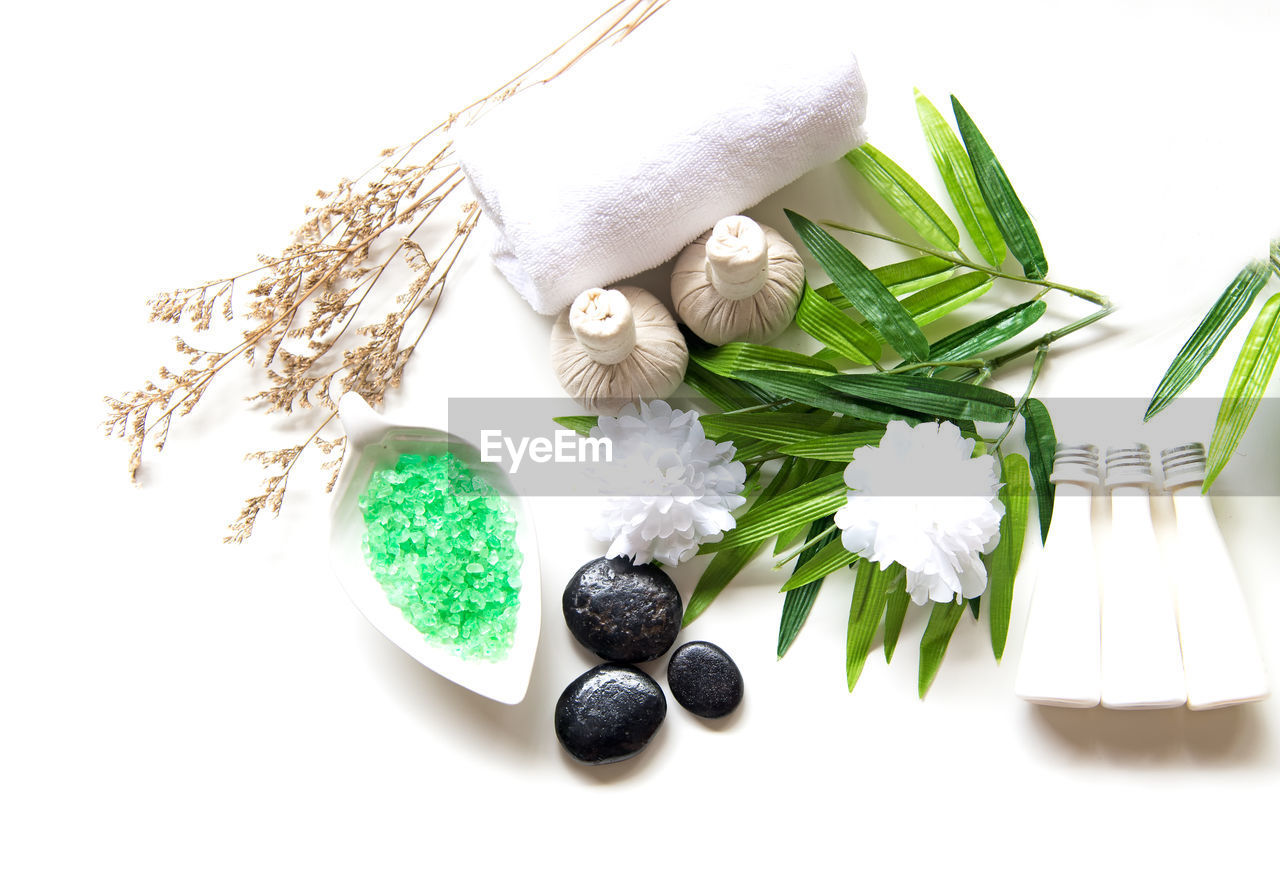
x,y
922,500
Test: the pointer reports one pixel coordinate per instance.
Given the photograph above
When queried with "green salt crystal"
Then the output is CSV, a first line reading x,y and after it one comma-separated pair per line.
x,y
441,542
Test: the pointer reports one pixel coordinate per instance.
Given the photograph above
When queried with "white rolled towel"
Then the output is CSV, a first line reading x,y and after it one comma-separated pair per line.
x,y
700,113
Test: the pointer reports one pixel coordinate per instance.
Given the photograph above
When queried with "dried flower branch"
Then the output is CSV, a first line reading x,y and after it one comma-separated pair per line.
x,y
316,324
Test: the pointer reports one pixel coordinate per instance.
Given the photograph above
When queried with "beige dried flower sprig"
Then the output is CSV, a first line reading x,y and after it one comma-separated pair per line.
x,y
316,324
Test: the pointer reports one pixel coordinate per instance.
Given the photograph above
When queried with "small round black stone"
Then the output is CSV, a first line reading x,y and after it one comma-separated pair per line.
x,y
704,679
609,713
623,611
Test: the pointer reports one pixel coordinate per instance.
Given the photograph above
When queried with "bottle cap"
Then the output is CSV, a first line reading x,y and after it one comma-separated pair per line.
x,y
1129,465
1183,464
1075,463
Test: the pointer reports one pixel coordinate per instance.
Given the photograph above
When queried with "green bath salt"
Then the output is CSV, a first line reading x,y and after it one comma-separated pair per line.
x,y
442,543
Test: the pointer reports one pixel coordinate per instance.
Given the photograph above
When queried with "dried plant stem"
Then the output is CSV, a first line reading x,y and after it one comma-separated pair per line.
x,y
272,495
317,324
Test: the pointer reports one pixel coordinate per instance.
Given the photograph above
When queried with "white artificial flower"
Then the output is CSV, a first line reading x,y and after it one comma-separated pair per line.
x,y
923,500
681,486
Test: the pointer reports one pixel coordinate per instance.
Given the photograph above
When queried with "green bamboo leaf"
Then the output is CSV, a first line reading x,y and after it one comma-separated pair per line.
x,y
827,355
790,474
933,300
748,450
899,278
771,516
819,318
779,427
870,593
1002,563
1209,335
934,397
788,538
1248,382
1042,443
894,613
907,276
726,565
805,390
906,196
987,333
799,602
936,301
737,356
724,392
1275,256
830,558
961,181
868,296
937,636
794,494
1010,216
580,424
810,390
832,447
805,470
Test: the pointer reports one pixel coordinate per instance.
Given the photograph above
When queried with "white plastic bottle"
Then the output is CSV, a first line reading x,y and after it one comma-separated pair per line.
x,y
1141,655
1060,663
1219,650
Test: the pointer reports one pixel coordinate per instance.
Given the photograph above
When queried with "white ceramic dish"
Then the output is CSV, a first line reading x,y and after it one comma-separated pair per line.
x,y
374,442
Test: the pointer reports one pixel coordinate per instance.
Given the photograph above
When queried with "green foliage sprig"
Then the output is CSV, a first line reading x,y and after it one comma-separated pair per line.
x,y
805,414
1254,365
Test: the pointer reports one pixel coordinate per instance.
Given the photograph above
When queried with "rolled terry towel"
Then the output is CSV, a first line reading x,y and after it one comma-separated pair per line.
x,y
615,166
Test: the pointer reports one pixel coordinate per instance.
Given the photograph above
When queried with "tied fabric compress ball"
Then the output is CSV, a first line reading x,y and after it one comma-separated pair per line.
x,y
739,282
616,346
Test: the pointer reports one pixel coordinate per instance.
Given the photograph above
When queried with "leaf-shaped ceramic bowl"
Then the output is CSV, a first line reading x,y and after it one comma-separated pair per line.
x,y
375,442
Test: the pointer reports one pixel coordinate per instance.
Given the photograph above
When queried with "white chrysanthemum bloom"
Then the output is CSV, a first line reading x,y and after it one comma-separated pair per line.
x,y
923,500
682,486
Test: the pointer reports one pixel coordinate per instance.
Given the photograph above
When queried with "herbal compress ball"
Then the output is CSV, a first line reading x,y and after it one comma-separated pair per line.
x,y
614,346
623,611
441,542
609,713
704,679
739,282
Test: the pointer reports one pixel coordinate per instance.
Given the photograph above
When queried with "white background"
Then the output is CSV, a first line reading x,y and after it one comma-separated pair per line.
x,y
179,714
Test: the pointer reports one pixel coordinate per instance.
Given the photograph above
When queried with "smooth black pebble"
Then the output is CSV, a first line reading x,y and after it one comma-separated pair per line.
x,y
704,679
609,713
623,611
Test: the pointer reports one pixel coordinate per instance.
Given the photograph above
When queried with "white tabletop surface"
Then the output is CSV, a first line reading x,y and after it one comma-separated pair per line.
x,y
176,714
